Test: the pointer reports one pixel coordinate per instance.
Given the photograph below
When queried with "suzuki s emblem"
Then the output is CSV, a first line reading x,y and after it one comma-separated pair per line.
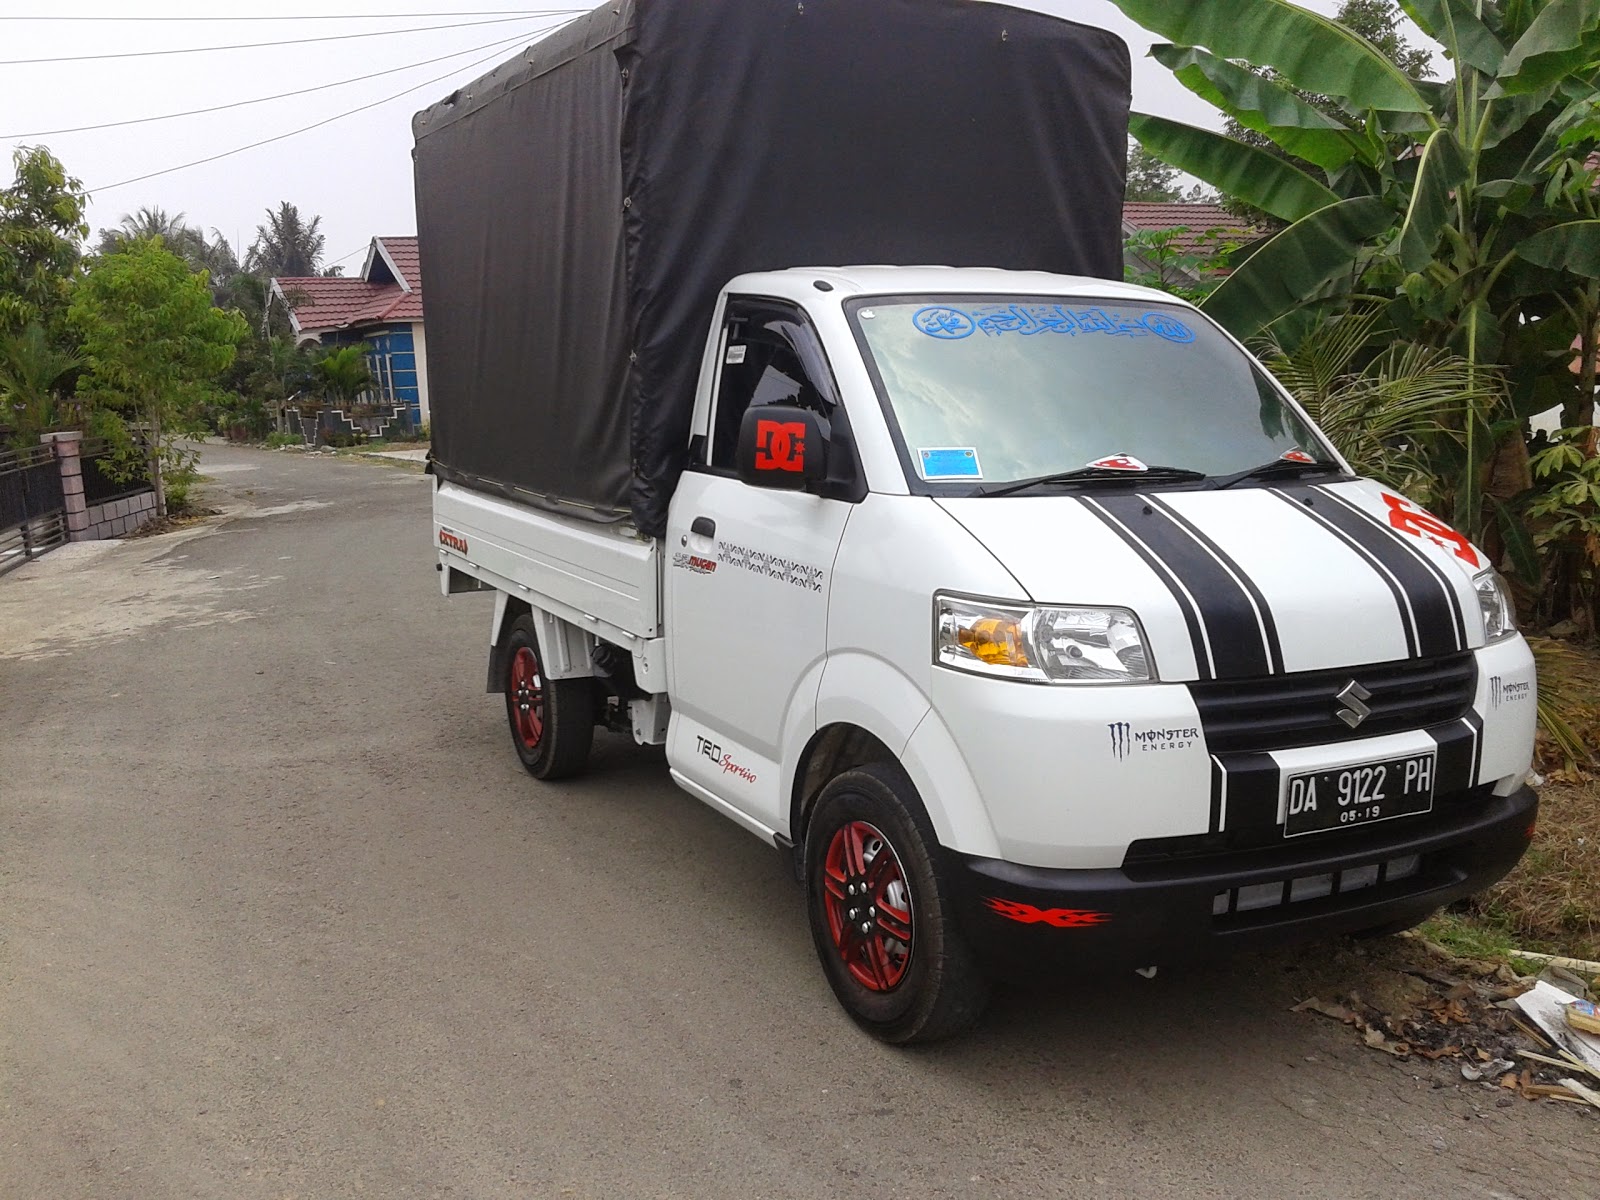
x,y
1352,707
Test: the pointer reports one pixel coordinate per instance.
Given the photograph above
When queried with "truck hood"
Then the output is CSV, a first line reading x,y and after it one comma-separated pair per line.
x,y
1247,582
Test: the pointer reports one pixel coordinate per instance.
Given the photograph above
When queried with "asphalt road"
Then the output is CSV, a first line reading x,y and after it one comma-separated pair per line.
x,y
282,916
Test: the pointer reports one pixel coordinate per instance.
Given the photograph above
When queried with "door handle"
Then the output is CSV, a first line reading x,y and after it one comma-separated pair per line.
x,y
703,527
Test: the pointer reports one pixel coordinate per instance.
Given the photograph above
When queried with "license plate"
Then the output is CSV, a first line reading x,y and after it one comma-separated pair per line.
x,y
1349,796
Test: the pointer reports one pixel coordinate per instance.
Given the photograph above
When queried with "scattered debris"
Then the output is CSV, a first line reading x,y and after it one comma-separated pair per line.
x,y
1421,1003
1545,1004
1583,1091
1493,1069
1583,1016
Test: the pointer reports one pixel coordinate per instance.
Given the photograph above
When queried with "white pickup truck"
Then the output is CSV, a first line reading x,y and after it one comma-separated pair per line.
x,y
1040,623
1021,606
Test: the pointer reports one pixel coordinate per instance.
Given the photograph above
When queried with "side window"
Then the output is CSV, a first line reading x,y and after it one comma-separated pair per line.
x,y
765,362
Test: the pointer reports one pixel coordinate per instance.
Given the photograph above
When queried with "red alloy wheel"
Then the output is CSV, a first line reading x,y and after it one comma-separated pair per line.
x,y
868,902
527,697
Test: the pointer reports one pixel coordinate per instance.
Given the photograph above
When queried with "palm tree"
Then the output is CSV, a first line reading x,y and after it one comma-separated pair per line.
x,y
1390,406
342,373
147,222
31,368
212,255
286,245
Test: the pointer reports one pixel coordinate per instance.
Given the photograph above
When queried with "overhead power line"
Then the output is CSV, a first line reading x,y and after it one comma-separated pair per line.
x,y
321,87
397,16
315,125
337,37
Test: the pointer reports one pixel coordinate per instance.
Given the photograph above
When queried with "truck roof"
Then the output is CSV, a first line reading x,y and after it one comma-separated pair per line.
x,y
799,283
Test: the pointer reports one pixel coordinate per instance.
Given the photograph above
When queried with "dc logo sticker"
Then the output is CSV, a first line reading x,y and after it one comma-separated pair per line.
x,y
780,446
1408,518
947,324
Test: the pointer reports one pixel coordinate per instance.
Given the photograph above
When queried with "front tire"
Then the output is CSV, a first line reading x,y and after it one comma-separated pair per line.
x,y
552,720
881,912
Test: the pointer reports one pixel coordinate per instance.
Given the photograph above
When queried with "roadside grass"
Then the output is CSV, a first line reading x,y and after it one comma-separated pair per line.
x,y
1551,902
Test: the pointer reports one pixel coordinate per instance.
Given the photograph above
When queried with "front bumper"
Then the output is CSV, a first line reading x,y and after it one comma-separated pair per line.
x,y
1024,921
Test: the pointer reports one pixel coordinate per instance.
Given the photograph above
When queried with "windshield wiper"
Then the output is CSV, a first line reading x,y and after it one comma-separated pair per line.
x,y
1272,470
1098,474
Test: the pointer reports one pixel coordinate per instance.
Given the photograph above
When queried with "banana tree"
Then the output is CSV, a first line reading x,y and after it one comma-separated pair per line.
x,y
1467,207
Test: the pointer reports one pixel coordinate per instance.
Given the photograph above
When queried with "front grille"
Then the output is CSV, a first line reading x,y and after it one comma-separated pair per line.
x,y
1255,897
1276,712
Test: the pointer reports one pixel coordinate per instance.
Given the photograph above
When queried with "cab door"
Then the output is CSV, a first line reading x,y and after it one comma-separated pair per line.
x,y
750,570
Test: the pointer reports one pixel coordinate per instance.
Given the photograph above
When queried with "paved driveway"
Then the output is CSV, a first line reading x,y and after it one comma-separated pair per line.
x,y
282,917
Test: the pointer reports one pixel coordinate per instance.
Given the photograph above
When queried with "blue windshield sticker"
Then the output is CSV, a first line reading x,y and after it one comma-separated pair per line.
x,y
950,324
1030,320
950,462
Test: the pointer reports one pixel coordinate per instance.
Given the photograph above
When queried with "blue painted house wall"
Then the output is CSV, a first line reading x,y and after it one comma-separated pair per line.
x,y
392,359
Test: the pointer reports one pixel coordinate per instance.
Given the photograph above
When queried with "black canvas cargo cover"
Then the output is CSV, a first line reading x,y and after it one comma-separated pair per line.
x,y
580,207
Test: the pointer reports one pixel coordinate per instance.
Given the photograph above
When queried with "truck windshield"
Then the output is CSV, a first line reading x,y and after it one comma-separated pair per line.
x,y
995,389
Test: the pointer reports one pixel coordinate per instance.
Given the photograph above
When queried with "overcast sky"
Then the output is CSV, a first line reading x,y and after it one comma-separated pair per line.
x,y
354,172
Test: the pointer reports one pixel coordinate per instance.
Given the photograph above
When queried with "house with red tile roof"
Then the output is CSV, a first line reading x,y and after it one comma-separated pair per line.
x,y
382,309
1200,228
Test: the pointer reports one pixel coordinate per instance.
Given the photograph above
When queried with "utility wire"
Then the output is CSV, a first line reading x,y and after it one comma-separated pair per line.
x,y
321,87
402,16
337,37
315,125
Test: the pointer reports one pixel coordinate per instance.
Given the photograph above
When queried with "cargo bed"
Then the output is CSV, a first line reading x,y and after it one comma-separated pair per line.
x,y
605,579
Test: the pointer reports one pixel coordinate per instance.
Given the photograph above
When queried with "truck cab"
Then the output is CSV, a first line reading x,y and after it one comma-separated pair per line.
x,y
1039,624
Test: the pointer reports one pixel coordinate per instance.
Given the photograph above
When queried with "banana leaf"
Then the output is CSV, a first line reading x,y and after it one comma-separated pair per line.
x,y
1572,247
1444,167
1561,39
1311,51
1234,168
1262,105
1519,545
1296,263
1458,28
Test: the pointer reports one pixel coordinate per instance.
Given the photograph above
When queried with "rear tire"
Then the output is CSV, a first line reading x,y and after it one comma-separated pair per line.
x,y
552,720
881,911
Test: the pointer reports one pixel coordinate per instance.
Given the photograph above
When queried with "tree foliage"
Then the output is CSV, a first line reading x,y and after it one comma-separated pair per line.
x,y
41,232
287,245
1467,210
212,254
342,373
154,346
33,373
1378,21
1149,179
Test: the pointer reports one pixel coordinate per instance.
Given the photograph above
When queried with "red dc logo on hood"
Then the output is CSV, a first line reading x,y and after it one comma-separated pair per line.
x,y
1408,518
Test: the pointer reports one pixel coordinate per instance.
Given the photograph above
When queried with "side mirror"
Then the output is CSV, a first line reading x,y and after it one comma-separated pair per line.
x,y
781,447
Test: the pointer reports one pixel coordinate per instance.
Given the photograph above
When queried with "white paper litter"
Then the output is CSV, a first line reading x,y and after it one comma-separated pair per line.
x,y
1545,1004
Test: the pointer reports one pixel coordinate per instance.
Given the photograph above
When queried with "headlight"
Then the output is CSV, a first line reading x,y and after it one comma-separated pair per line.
x,y
1042,645
1494,602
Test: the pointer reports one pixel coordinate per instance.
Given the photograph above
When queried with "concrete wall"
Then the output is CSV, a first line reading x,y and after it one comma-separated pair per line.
x,y
117,517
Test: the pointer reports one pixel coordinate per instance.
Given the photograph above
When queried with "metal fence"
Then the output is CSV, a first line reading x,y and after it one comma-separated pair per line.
x,y
32,508
99,487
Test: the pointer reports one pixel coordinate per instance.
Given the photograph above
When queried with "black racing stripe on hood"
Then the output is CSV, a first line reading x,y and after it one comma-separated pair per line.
x,y
1414,548
1204,666
1426,590
1263,610
1408,620
1237,634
